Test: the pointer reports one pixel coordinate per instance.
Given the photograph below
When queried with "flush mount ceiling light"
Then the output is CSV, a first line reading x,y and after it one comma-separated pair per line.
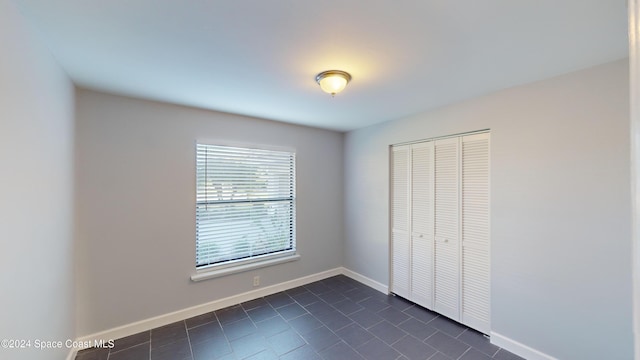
x,y
333,81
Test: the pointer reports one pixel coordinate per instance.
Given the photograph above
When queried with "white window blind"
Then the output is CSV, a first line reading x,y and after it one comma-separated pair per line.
x,y
245,206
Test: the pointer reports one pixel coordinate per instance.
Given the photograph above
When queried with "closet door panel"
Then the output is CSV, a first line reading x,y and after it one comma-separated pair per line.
x,y
422,224
475,232
447,252
400,231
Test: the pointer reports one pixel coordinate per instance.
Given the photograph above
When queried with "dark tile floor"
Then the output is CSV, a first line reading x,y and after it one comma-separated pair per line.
x,y
336,318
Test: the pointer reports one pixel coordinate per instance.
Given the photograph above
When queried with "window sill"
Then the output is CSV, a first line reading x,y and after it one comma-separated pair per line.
x,y
215,273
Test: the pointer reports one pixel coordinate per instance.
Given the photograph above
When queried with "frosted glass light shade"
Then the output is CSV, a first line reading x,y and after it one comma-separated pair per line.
x,y
333,81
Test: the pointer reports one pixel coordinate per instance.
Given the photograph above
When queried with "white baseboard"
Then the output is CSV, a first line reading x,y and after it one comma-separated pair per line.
x,y
519,349
165,319
365,280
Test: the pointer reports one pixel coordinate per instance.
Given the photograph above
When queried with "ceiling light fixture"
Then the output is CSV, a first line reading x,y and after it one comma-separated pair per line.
x,y
333,81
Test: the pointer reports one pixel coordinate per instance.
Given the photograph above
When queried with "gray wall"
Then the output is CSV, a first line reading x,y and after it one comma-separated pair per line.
x,y
560,225
136,212
36,196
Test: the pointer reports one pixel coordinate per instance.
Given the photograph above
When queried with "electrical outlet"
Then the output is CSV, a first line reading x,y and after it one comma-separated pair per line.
x,y
256,281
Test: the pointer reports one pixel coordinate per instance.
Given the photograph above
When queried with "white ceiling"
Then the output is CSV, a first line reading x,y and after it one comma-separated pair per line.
x,y
259,58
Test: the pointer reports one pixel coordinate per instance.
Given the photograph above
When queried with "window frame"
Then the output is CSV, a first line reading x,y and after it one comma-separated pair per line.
x,y
208,271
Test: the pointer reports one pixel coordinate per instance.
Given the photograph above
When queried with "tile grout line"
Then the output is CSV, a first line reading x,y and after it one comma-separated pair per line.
x,y
466,351
186,329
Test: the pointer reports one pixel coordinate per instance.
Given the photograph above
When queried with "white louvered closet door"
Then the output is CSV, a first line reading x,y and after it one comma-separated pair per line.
x,y
447,223
440,241
422,224
475,232
400,231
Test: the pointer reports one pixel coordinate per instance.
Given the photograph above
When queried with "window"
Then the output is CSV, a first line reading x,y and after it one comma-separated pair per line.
x,y
245,205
